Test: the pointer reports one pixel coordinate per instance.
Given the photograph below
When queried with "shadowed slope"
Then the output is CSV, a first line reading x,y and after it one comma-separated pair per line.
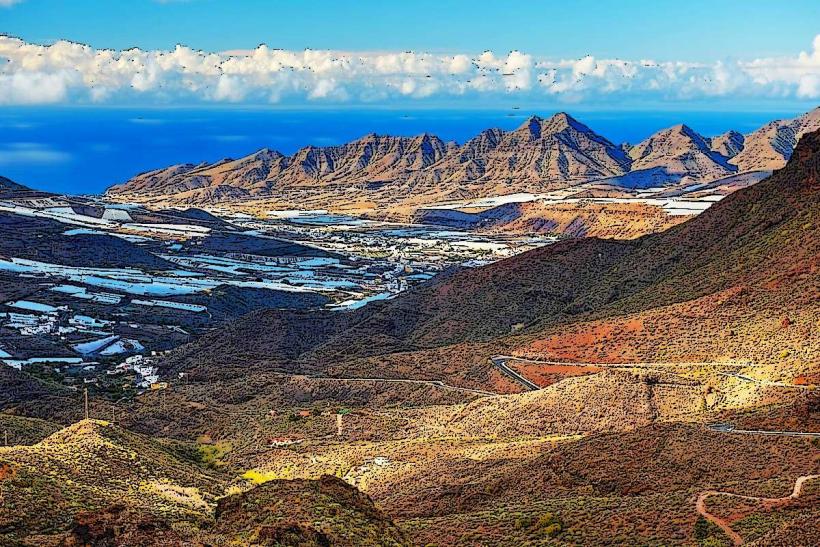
x,y
761,241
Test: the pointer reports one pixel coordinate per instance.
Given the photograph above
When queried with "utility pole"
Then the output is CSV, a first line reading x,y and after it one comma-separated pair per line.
x,y
85,400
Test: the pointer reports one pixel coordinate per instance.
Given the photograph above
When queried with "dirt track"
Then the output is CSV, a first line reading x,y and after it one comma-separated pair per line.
x,y
700,505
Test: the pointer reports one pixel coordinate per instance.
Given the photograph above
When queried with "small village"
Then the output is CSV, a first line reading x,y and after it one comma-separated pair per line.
x,y
105,327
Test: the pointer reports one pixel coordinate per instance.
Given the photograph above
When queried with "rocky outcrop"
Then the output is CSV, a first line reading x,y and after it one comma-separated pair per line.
x,y
771,146
729,144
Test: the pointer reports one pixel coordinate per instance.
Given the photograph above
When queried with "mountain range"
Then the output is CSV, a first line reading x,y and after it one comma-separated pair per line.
x,y
738,268
636,345
540,155
658,359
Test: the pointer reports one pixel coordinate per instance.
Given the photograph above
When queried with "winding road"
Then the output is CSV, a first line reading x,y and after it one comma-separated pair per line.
x,y
500,362
657,364
700,505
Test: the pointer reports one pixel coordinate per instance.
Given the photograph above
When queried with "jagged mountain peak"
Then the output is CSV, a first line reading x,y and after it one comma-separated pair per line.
x,y
673,139
372,137
427,138
680,130
531,127
563,119
539,127
267,153
674,154
532,119
542,153
733,134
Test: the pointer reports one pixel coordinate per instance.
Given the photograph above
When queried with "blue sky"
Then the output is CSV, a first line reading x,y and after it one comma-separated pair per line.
x,y
695,30
426,53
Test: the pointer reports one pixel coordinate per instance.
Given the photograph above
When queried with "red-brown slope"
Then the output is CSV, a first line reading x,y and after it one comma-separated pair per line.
x,y
757,240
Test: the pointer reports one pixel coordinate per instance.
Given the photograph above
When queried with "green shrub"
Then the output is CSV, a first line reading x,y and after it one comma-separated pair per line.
x,y
524,521
258,477
548,525
701,528
211,454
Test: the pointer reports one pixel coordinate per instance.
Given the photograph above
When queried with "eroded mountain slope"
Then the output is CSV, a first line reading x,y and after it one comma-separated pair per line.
x,y
755,254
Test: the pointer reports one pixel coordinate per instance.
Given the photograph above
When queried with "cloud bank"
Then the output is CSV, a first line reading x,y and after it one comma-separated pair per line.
x,y
71,73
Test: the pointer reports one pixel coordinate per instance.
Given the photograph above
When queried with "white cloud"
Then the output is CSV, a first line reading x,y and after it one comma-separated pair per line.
x,y
9,3
34,87
67,72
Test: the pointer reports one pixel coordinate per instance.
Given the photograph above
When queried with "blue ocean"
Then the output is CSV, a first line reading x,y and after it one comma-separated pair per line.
x,y
83,150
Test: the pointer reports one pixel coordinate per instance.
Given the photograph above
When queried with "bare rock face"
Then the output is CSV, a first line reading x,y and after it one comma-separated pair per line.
x,y
729,144
771,146
556,149
538,154
680,151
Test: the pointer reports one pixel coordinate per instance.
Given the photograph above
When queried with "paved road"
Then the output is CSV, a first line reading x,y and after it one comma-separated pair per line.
x,y
500,362
658,364
700,505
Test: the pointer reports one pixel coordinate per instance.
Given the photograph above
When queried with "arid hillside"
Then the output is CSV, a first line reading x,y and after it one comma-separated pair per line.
x,y
579,218
523,484
771,146
675,152
92,465
705,290
94,483
326,511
